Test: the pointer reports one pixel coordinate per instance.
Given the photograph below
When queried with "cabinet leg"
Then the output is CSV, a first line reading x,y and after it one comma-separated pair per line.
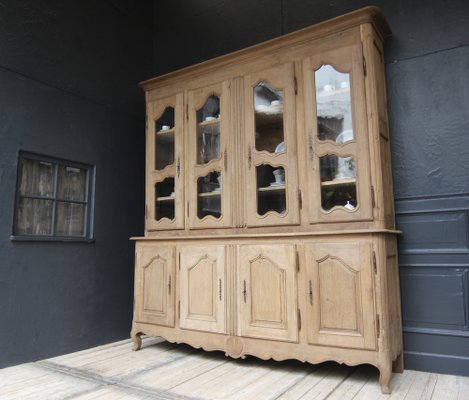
x,y
385,374
398,364
137,340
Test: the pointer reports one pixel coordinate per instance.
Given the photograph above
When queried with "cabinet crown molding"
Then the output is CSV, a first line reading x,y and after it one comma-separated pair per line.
x,y
371,15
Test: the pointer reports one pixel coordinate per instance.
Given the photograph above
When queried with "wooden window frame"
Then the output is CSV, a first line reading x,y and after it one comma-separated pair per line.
x,y
88,202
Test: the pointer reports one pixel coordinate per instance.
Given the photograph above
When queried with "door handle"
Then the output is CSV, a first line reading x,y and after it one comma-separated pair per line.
x,y
244,291
310,293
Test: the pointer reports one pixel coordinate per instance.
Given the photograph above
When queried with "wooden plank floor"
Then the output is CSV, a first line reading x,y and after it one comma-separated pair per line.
x,y
165,371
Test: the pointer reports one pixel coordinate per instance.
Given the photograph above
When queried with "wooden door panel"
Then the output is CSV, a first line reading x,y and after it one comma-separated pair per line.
x,y
202,288
339,183
209,198
270,140
165,164
155,285
340,290
267,306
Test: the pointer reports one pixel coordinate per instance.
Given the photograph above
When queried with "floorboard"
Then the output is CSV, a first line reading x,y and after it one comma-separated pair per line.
x,y
166,371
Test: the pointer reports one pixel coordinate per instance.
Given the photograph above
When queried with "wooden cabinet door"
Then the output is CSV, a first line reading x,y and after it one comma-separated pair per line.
x,y
270,161
202,288
165,164
338,159
154,284
267,294
210,156
339,294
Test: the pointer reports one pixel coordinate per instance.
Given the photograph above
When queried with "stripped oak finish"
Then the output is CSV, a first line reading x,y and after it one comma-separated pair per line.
x,y
266,254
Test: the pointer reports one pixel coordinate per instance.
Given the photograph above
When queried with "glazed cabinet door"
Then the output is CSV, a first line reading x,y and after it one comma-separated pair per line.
x,y
164,159
338,160
270,140
154,284
202,288
267,292
209,156
339,294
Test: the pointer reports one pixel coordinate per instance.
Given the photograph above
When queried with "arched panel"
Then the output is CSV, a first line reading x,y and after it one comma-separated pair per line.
x,y
340,301
267,306
202,288
202,277
267,284
154,299
155,282
340,309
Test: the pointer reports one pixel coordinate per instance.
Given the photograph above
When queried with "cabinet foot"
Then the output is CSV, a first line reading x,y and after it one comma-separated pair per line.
x,y
385,374
398,364
137,341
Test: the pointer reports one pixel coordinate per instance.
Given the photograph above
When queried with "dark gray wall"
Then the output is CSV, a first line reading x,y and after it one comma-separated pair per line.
x,y
68,88
427,59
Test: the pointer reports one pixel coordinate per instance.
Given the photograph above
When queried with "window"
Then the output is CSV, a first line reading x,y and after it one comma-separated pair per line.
x,y
53,199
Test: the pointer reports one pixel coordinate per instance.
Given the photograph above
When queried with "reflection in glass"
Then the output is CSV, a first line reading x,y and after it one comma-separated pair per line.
x,y
164,139
34,217
71,183
209,195
70,219
37,178
270,189
268,110
334,105
338,183
164,199
208,131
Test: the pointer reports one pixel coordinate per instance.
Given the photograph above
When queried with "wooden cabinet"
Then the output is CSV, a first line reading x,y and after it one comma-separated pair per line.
x,y
269,217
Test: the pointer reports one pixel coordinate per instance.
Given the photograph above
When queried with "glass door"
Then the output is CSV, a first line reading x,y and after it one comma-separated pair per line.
x,y
272,185
336,125
165,195
209,178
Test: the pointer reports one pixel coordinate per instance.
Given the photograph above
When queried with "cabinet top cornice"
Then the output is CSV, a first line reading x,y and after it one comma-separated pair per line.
x,y
371,14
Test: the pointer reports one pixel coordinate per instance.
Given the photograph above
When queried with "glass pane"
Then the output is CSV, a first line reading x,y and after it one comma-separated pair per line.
x,y
37,178
334,105
208,131
338,182
164,195
209,195
33,217
164,139
71,183
70,219
268,110
270,189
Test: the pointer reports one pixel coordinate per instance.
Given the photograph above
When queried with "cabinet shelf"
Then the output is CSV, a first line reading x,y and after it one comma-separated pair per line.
x,y
210,194
339,182
272,189
166,131
165,198
211,122
268,119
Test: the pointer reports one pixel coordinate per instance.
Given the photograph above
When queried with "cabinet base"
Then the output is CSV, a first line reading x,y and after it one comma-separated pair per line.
x,y
240,347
